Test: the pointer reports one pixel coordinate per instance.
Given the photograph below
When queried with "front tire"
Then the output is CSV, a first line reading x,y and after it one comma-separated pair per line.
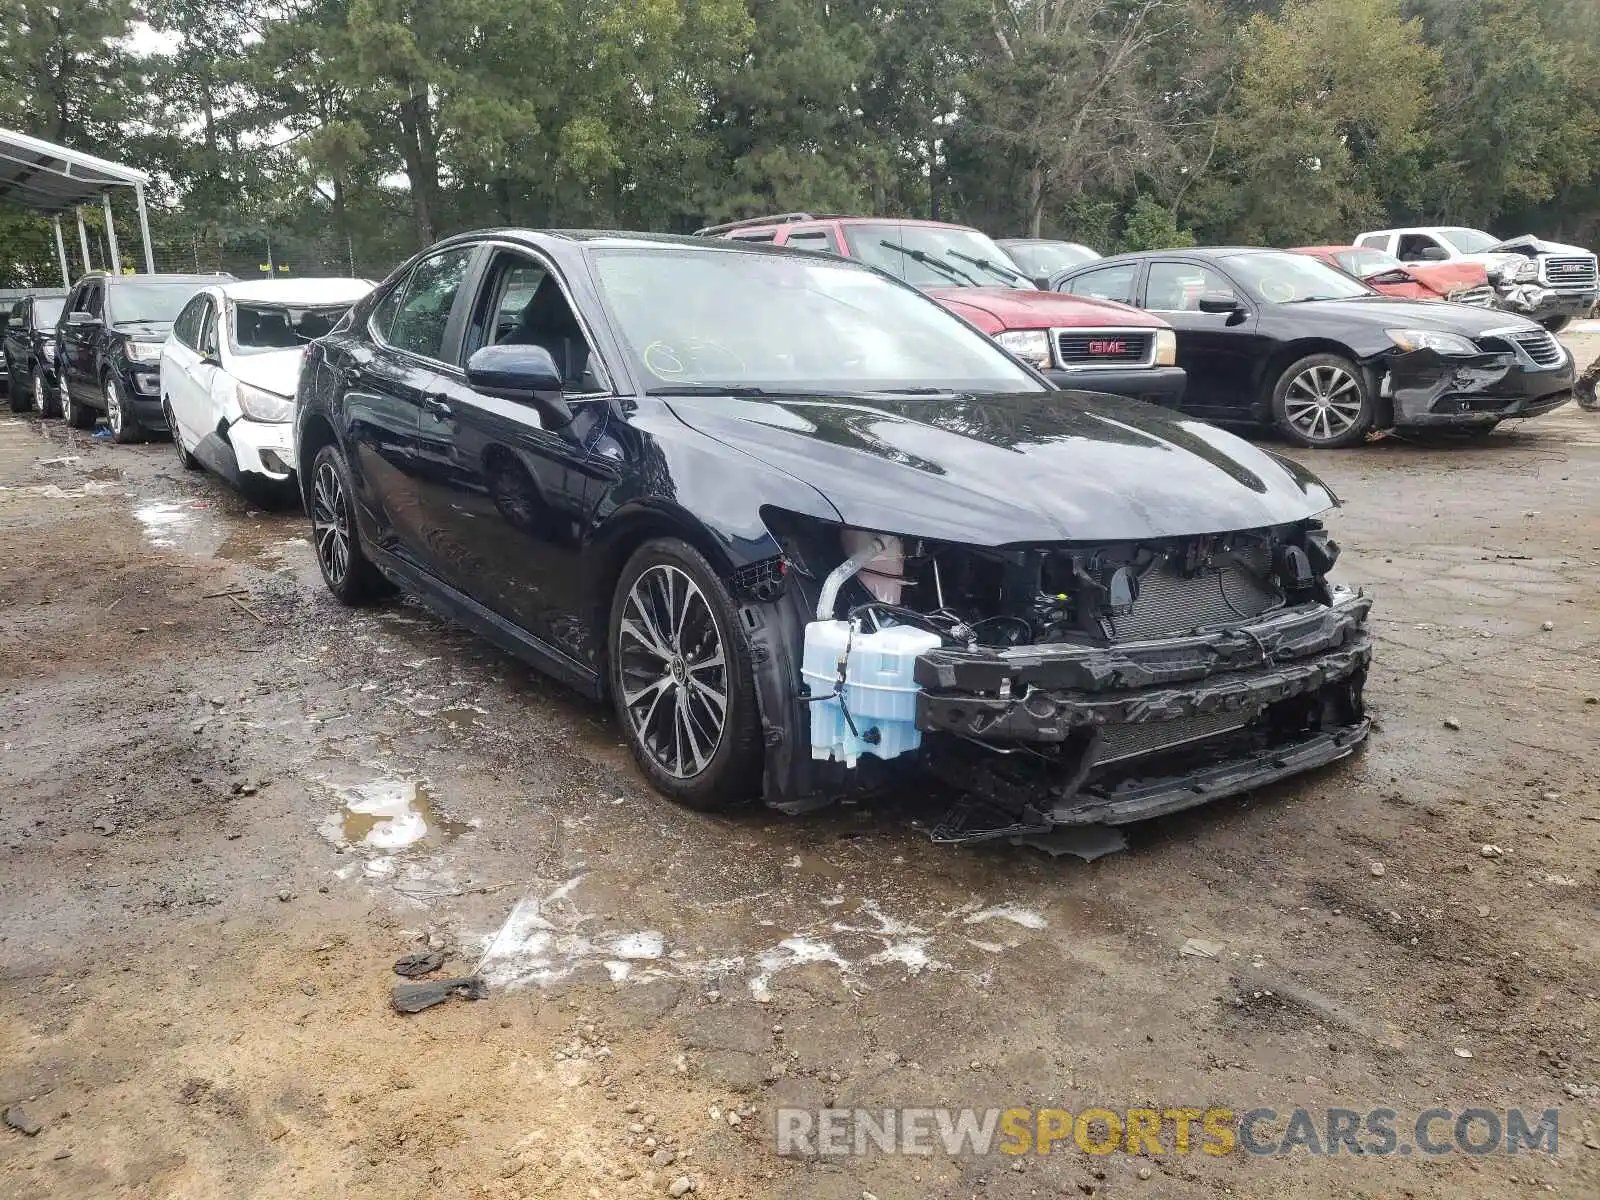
x,y
45,401
348,572
680,678
124,425
1323,401
188,461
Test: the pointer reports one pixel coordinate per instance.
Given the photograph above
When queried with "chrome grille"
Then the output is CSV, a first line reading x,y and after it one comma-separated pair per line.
x,y
1168,603
1540,346
1119,742
1572,274
1481,296
1104,347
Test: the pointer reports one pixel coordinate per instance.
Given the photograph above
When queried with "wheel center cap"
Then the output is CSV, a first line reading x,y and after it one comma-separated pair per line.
x,y
679,671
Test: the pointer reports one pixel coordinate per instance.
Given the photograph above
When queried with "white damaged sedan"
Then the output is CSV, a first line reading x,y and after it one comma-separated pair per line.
x,y
229,371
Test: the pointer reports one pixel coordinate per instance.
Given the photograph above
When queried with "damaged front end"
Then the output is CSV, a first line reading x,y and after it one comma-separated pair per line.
x,y
1518,371
1074,684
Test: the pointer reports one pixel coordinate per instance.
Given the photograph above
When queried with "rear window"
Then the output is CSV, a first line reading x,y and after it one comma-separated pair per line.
x,y
261,327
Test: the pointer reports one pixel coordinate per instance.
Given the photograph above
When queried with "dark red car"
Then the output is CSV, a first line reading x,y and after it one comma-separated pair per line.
x,y
1459,282
1076,341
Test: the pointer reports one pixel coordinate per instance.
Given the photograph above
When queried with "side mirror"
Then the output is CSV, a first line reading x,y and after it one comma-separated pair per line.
x,y
1433,254
1041,283
80,318
526,374
1219,302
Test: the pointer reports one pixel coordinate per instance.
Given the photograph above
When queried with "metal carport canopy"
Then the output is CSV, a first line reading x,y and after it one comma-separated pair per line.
x,y
51,179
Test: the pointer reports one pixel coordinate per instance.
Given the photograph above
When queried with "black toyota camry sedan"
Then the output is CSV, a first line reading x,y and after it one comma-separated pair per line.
x,y
809,532
1269,336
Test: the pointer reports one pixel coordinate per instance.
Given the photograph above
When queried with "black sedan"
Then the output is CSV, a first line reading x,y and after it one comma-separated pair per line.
x,y
807,531
1271,336
29,350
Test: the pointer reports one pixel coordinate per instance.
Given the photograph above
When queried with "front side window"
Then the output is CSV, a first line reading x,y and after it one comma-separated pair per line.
x,y
1419,247
1107,283
89,300
935,255
1178,286
1280,277
1469,241
701,320
187,327
523,304
421,318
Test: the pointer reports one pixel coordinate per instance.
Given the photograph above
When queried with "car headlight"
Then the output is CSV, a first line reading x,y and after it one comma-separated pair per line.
x,y
261,405
1030,345
1166,348
1429,339
144,352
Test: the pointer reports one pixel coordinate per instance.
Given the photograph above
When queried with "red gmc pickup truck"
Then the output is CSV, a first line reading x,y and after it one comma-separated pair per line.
x,y
1077,342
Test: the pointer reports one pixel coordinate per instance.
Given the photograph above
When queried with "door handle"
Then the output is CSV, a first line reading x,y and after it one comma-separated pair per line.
x,y
437,405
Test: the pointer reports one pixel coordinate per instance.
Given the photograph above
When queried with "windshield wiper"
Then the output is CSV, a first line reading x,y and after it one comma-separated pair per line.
x,y
928,260
708,389
990,266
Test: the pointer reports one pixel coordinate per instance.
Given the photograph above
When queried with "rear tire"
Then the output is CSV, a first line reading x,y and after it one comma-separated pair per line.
x,y
72,412
1323,401
335,537
21,398
124,425
676,650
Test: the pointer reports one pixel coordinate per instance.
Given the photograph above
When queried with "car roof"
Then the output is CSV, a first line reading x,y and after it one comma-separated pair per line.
x,y
550,239
304,290
158,277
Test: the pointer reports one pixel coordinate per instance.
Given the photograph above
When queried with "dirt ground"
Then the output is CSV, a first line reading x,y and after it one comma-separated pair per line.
x,y
223,817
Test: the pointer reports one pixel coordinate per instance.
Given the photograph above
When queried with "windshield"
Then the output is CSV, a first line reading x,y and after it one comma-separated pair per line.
x,y
1470,241
935,255
259,328
1279,277
1046,258
1364,263
734,319
159,303
47,311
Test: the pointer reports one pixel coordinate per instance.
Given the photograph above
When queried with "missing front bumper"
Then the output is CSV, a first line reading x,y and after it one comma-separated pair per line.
x,y
1069,735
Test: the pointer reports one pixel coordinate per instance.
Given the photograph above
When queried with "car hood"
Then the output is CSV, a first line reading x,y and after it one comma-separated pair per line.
x,y
1014,308
1528,244
1003,470
276,371
145,330
1390,312
1447,276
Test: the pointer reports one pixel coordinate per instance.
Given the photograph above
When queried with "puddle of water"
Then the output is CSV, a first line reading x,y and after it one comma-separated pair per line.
x,y
164,521
387,816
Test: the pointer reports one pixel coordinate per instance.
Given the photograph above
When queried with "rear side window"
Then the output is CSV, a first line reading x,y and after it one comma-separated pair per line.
x,y
761,235
430,295
1375,241
1107,283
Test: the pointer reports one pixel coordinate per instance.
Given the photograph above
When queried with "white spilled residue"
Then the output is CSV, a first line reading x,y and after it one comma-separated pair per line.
x,y
162,519
382,816
541,941
792,952
1014,913
547,936
54,491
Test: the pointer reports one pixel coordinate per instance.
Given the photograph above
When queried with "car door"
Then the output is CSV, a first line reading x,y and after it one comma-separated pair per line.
x,y
79,340
387,374
1219,351
185,375
513,498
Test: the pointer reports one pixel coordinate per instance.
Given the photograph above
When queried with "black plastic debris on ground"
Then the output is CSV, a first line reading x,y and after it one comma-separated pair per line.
x,y
414,997
419,962
17,1117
